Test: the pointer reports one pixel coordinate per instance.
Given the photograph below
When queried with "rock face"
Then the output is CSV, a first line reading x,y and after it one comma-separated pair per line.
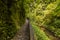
x,y
25,33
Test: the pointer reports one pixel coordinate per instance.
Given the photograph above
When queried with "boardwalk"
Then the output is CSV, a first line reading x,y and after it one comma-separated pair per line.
x,y
25,33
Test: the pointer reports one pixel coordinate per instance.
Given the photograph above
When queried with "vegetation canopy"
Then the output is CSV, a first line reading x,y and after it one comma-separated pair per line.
x,y
43,15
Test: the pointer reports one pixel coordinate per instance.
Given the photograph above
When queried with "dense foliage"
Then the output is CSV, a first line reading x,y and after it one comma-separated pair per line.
x,y
42,13
12,16
45,13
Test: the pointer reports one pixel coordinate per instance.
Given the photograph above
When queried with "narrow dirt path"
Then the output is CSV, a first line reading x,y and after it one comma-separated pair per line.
x,y
25,33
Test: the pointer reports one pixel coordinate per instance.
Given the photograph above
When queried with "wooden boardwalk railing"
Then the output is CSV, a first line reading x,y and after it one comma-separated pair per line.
x,y
25,33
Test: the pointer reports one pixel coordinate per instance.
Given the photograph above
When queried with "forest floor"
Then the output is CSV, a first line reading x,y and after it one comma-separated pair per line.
x,y
49,34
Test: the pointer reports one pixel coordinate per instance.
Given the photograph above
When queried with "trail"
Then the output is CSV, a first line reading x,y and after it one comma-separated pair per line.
x,y
25,33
